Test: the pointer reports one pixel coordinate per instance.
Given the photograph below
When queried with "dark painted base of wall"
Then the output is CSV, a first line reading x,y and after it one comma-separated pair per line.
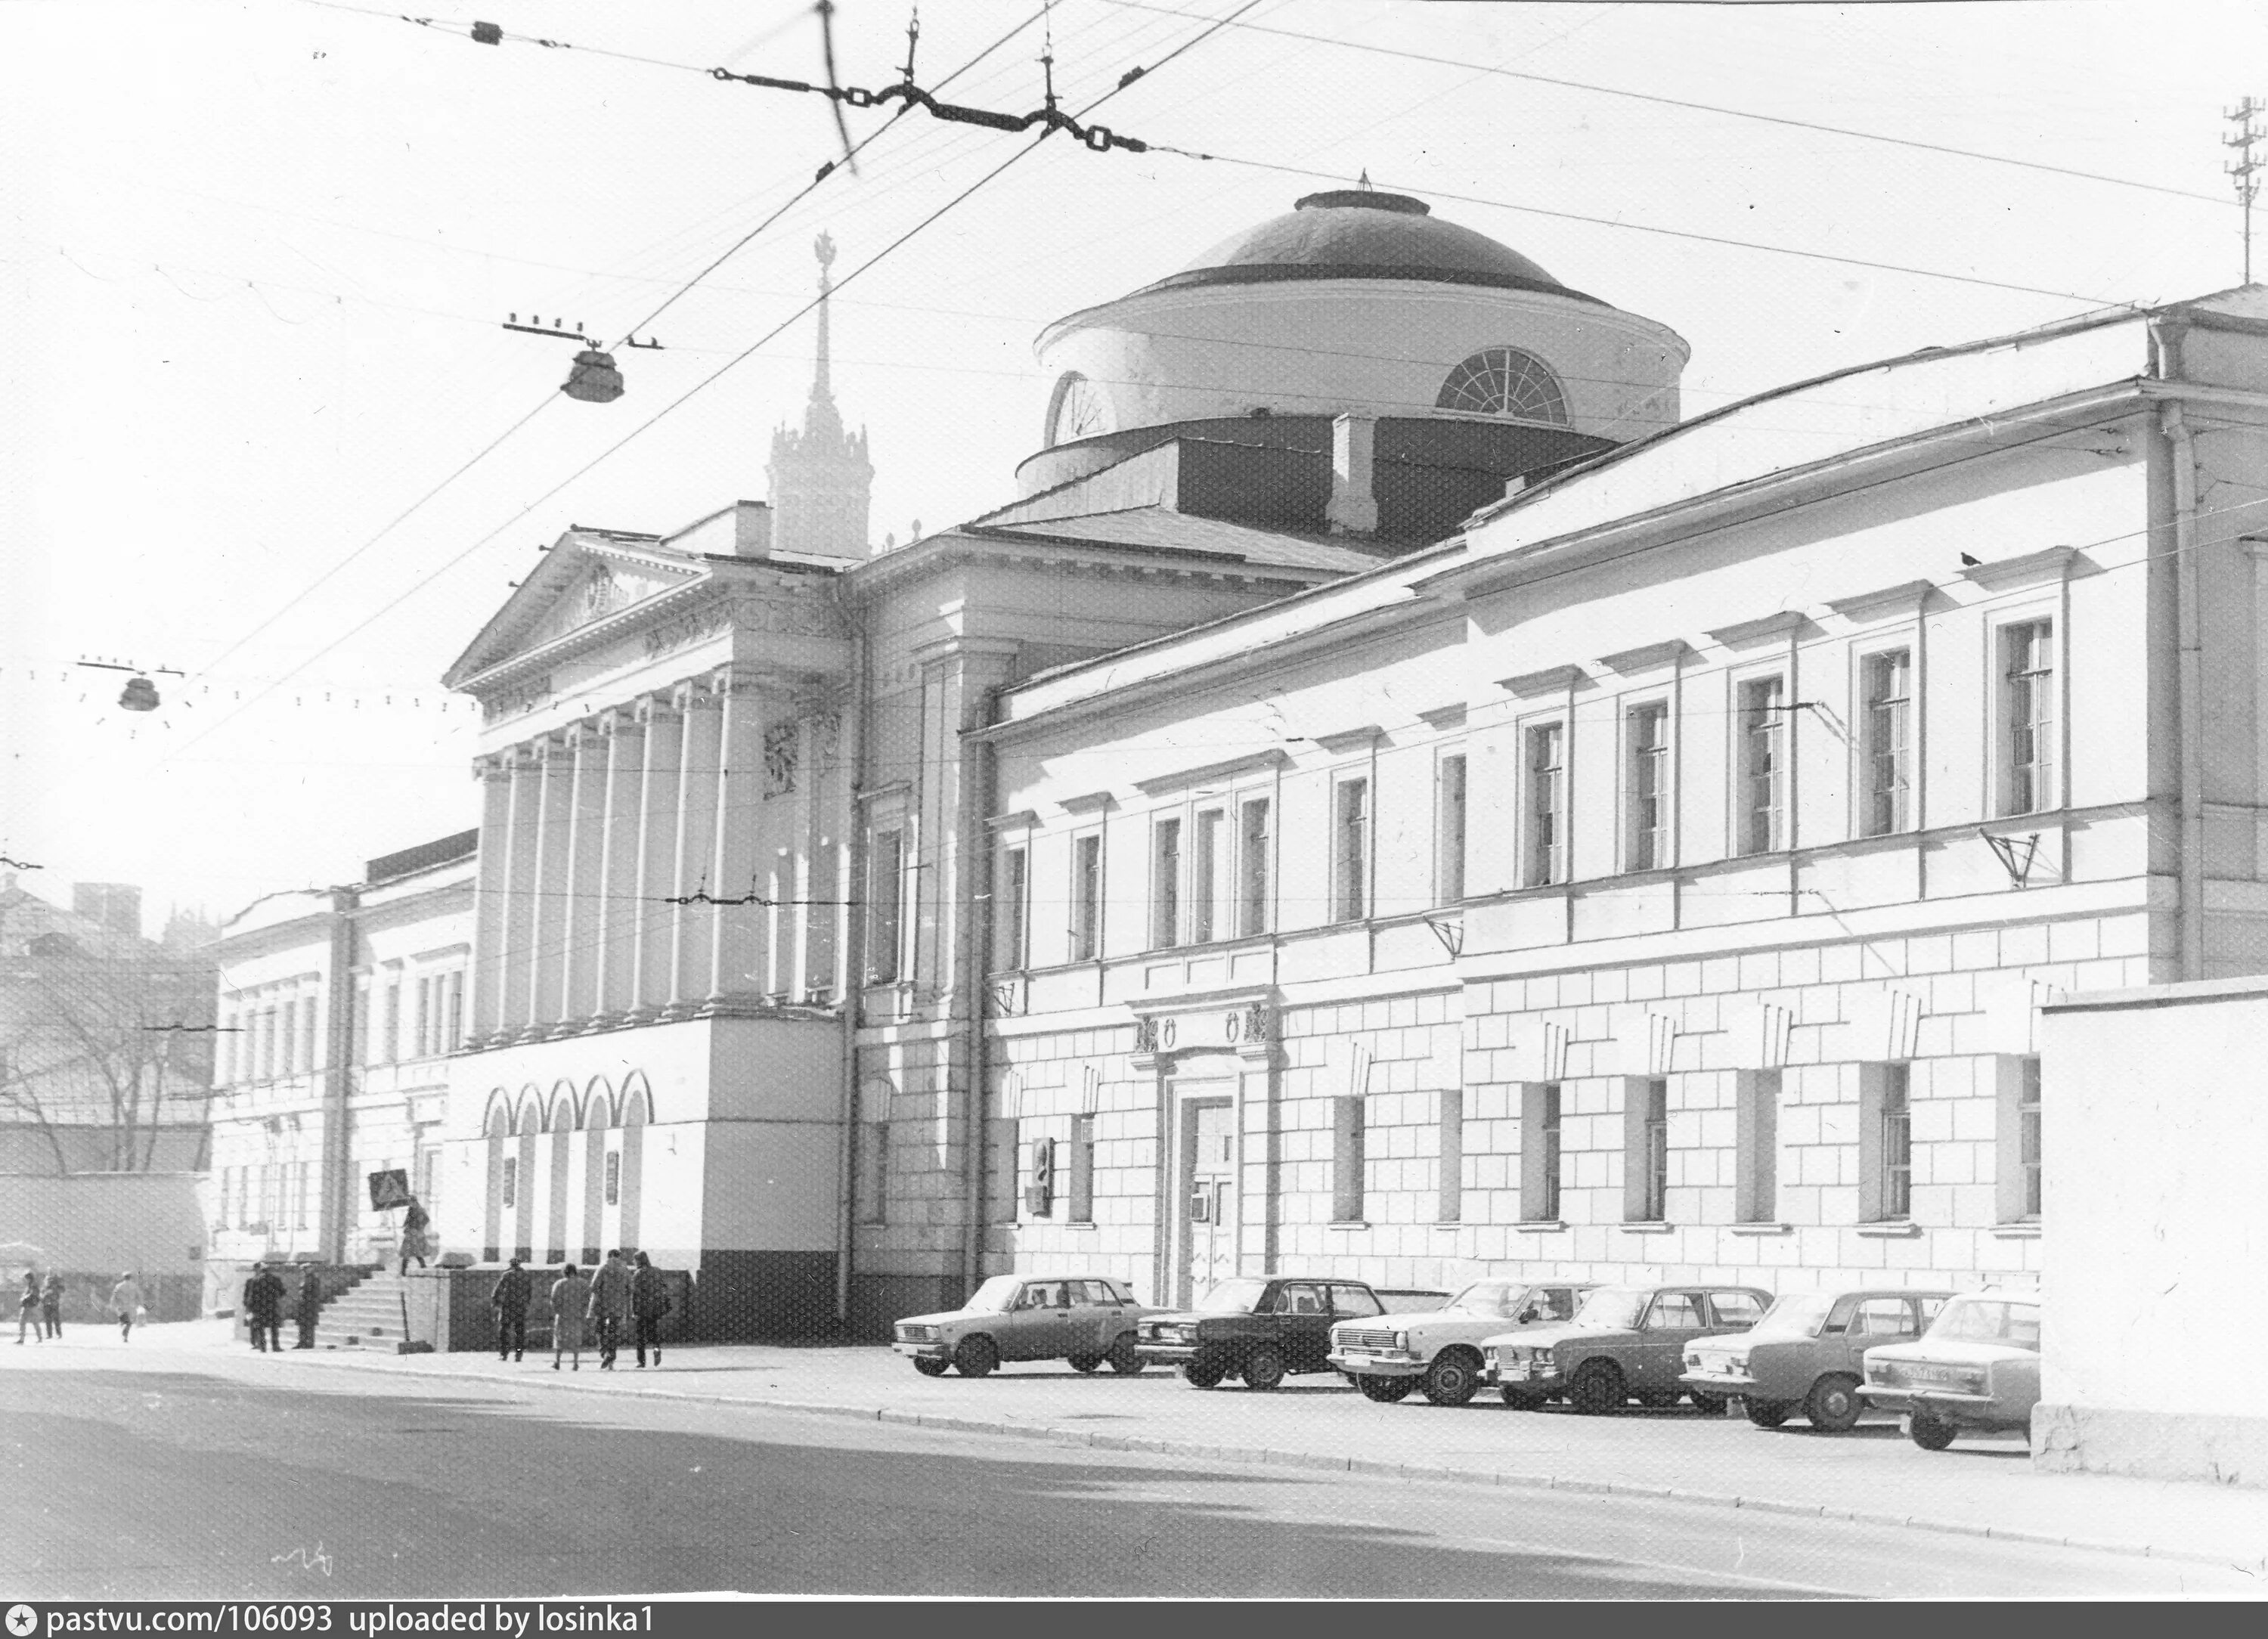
x,y
879,1301
764,1296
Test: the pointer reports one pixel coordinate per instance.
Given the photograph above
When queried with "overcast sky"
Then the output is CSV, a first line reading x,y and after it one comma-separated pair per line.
x,y
257,256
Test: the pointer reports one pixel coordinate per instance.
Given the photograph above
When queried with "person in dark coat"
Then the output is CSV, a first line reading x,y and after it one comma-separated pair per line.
x,y
51,1305
27,1310
570,1301
263,1308
514,1291
308,1309
649,1303
610,1306
414,1242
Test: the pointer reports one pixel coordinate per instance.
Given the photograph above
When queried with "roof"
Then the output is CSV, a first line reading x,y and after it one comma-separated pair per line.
x,y
1157,528
409,861
1361,234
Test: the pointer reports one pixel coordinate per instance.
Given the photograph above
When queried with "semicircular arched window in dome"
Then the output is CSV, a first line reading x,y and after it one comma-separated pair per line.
x,y
1504,381
1079,410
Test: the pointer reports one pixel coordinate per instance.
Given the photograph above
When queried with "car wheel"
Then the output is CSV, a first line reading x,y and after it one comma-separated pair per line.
x,y
1263,1369
1385,1391
1932,1434
1085,1362
1659,1399
1123,1358
1769,1414
1204,1372
1521,1400
1598,1388
975,1356
929,1368
1833,1405
1453,1378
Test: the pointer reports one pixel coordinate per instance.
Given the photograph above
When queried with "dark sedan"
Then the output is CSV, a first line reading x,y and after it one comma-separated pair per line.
x,y
1260,1329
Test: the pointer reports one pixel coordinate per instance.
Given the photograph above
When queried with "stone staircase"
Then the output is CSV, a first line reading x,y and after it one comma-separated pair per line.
x,y
366,1316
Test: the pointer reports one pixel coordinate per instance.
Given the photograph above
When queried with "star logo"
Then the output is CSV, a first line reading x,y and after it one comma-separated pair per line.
x,y
23,1621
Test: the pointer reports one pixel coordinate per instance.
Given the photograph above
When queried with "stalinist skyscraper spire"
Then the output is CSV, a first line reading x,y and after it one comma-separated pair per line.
x,y
822,482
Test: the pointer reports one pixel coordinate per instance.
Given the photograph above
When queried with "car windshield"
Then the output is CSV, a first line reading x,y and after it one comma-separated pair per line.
x,y
1233,1297
995,1294
1613,1306
1797,1314
1988,1320
1496,1300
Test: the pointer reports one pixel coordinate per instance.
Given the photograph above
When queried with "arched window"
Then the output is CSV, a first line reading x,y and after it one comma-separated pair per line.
x,y
1504,381
1077,410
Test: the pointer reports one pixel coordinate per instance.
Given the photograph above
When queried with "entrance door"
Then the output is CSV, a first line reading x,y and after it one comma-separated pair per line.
x,y
1208,1197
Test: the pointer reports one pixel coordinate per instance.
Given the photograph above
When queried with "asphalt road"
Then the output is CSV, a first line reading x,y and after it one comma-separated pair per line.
x,y
160,1480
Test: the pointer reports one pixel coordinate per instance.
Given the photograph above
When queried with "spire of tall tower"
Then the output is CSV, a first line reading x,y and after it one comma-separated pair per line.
x,y
820,478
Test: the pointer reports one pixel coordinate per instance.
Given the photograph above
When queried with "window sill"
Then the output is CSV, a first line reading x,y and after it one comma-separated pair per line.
x,y
1348,1223
1760,1229
1651,1227
1074,1225
2015,1232
1448,1223
1900,1230
1540,1226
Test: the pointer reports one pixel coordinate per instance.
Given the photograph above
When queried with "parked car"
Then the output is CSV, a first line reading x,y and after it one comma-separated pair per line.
x,y
1977,1368
1086,1319
1624,1340
1805,1355
1263,1329
1438,1349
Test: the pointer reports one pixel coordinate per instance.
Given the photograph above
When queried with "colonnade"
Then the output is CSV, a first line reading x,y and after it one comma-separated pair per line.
x,y
605,843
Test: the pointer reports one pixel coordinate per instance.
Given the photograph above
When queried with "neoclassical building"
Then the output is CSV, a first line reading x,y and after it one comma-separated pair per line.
x,y
1386,797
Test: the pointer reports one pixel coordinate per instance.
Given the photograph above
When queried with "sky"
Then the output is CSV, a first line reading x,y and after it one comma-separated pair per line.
x,y
262,425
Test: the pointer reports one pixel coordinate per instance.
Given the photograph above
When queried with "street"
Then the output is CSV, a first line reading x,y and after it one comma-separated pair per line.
x,y
160,1472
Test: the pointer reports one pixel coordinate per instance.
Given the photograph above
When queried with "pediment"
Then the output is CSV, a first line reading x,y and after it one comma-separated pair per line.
x,y
586,576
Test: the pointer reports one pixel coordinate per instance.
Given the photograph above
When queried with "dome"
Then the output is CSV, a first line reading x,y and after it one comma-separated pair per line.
x,y
1356,233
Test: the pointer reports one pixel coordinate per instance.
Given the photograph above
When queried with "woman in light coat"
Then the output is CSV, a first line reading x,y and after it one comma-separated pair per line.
x,y
570,1298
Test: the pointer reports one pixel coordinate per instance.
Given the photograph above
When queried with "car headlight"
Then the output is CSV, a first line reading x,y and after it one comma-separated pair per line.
x,y
1402,1342
918,1335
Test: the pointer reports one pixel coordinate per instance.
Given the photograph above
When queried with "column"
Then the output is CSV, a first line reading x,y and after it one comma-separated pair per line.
x,y
615,927
510,957
546,944
490,894
587,826
736,955
657,853
700,764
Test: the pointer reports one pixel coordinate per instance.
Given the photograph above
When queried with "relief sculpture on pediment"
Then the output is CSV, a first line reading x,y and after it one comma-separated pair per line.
x,y
689,628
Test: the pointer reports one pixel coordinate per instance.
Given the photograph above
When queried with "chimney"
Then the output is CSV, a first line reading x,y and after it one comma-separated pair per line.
x,y
1353,509
752,530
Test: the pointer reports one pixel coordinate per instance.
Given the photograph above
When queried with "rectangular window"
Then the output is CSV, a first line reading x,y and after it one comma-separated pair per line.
x,y
1010,899
1253,868
2018,1169
423,1027
1755,1180
1645,1151
1449,844
390,1025
1082,1168
886,859
1888,754
2027,654
874,1173
1165,884
456,1010
1350,851
1547,840
1763,767
613,1178
1085,898
1539,1152
1347,1159
2028,1115
1451,1184
1206,879
306,1192
1885,1143
1647,847
510,1180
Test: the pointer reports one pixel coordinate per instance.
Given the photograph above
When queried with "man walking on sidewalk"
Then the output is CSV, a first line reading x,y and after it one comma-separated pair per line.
x,y
263,1303
126,1303
308,1309
514,1290
610,1306
649,1302
51,1305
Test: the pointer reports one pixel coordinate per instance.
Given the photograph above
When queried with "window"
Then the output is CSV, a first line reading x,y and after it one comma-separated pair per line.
x,y
874,1185
1882,1317
1756,1187
422,1028
1763,767
1675,1311
613,1178
2029,1120
1009,901
1504,381
1740,1309
510,1180
1086,896
1546,841
1206,879
1253,865
1449,846
1082,1168
2027,654
1354,1300
1646,1151
886,860
306,1192
1351,852
1885,1143
1647,847
1300,1297
456,1013
2019,1147
1451,1184
1347,1159
1886,743
1165,884
1539,1152
389,1047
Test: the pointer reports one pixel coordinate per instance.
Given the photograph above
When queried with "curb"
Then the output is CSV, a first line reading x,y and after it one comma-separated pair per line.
x,y
1262,1456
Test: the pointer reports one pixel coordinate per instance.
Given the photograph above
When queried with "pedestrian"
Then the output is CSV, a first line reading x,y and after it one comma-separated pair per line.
x,y
414,1243
649,1303
51,1305
27,1310
610,1306
126,1303
515,1289
264,1308
308,1308
570,1297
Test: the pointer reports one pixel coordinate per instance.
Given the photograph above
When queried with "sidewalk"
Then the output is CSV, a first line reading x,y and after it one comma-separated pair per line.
x,y
1981,1488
